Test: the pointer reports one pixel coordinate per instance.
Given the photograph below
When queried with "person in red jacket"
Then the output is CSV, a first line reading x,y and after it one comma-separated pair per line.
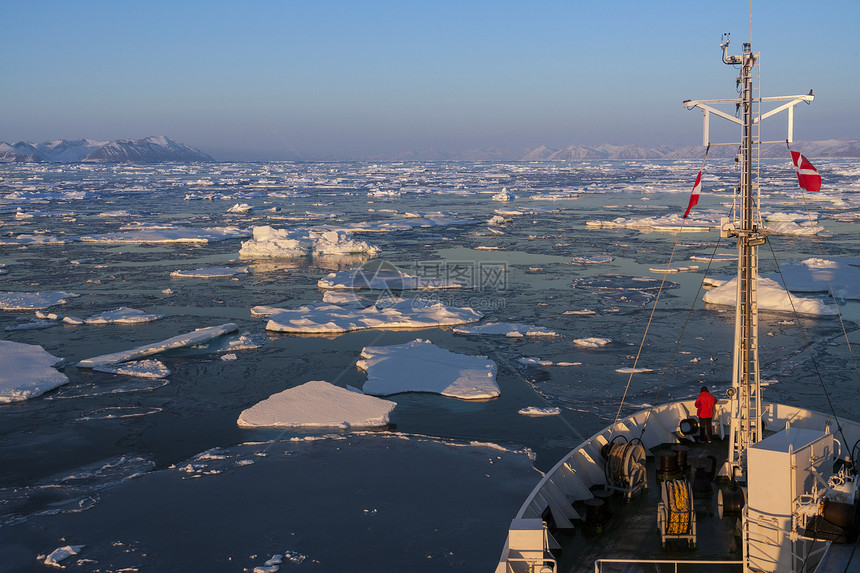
x,y
705,410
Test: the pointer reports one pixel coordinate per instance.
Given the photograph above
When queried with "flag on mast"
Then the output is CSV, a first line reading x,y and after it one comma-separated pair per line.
x,y
694,197
807,174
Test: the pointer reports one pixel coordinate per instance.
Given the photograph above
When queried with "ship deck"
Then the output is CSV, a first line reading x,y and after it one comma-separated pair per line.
x,y
632,532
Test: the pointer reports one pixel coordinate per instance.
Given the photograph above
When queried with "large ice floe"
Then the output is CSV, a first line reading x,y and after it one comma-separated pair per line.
x,y
318,404
382,278
270,243
771,297
421,366
27,371
509,329
32,300
323,318
198,336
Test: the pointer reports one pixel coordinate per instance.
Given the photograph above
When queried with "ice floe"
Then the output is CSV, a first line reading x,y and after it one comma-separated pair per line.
x,y
317,404
592,342
674,269
270,243
27,371
60,553
536,411
198,336
334,318
149,368
509,329
771,297
210,272
595,260
122,315
32,300
382,278
421,366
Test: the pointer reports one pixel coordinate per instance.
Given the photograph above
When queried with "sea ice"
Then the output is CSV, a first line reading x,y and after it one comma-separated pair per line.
x,y
332,318
421,366
771,296
196,337
269,243
535,411
595,260
32,300
27,371
61,553
593,342
122,315
674,269
509,329
382,278
317,404
209,273
168,234
149,368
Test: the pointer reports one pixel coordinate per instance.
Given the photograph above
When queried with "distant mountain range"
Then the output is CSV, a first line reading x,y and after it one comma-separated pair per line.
x,y
148,150
157,149
813,149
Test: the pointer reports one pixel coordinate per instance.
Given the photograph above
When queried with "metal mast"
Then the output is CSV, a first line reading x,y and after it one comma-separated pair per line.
x,y
745,394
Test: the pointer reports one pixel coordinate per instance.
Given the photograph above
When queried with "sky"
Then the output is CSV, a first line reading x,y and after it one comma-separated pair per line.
x,y
285,80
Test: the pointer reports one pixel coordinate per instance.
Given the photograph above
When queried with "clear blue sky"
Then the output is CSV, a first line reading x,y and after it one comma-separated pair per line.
x,y
281,79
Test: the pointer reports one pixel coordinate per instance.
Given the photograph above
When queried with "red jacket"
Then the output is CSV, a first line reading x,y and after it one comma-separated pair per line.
x,y
705,405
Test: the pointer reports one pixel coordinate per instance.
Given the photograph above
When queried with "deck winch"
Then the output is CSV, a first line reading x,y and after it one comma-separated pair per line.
x,y
625,466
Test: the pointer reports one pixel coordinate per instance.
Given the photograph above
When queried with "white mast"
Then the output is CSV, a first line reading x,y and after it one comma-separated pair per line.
x,y
745,393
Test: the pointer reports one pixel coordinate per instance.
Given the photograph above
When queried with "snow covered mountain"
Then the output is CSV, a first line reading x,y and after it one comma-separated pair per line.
x,y
147,150
818,149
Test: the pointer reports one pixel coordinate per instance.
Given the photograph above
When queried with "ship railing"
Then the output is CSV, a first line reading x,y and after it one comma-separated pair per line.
x,y
531,565
694,564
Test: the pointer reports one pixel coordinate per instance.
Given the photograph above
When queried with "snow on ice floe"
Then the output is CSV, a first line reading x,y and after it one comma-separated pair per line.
x,y
592,342
536,411
674,269
32,300
334,318
504,195
596,260
666,223
421,366
27,371
716,258
509,329
198,336
149,368
317,404
535,361
771,297
59,554
270,243
123,315
32,239
382,278
168,234
210,272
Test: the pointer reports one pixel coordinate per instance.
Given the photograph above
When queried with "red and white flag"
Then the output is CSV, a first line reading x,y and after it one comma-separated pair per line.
x,y
807,174
694,197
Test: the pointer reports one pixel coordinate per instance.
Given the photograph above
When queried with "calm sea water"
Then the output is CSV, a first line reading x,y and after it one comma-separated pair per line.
x,y
155,475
